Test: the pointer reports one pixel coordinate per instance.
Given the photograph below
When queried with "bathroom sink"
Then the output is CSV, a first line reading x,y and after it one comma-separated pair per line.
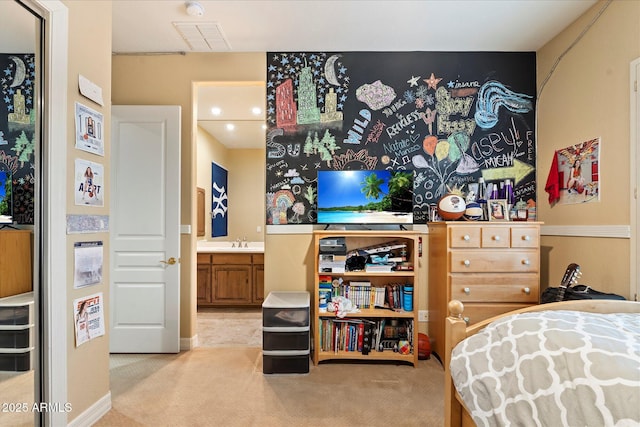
x,y
222,246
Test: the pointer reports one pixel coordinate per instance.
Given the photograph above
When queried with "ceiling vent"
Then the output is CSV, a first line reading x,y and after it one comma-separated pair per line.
x,y
203,36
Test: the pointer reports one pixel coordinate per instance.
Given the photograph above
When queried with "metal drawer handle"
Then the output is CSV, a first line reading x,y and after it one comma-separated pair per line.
x,y
467,290
496,238
526,262
527,291
467,262
467,237
527,237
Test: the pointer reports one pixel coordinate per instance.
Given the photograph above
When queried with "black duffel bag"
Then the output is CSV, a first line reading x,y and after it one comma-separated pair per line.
x,y
576,292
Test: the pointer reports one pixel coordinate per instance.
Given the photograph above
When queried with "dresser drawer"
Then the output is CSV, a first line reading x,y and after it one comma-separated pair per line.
x,y
474,313
465,237
479,261
525,237
496,237
492,287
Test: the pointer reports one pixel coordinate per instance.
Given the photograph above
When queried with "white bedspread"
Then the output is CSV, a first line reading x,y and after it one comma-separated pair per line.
x,y
552,368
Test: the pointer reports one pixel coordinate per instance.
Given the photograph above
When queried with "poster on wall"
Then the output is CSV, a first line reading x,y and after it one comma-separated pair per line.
x,y
89,183
88,258
88,315
89,130
579,172
219,200
447,118
18,115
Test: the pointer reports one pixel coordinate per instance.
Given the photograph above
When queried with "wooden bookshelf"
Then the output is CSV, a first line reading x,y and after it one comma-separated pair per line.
x,y
405,320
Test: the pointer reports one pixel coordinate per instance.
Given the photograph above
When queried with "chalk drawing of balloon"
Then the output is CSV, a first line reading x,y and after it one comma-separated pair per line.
x,y
442,149
429,144
458,144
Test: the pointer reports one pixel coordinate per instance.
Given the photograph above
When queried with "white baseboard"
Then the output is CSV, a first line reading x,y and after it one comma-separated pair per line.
x,y
92,414
187,344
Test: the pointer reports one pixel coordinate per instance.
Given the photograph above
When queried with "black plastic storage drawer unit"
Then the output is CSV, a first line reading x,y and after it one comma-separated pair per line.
x,y
15,338
285,338
285,362
285,333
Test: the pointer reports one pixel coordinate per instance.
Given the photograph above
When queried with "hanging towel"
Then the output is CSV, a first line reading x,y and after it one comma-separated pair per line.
x,y
553,181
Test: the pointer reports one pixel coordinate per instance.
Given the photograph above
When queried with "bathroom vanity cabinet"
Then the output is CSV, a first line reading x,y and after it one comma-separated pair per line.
x,y
230,279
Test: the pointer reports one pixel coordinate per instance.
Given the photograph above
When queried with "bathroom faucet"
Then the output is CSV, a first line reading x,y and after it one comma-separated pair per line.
x,y
244,239
233,245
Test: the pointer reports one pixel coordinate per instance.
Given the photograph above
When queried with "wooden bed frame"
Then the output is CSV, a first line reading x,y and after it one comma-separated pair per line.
x,y
456,330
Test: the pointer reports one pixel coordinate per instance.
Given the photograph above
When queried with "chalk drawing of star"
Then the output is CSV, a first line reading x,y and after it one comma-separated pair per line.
x,y
432,82
413,81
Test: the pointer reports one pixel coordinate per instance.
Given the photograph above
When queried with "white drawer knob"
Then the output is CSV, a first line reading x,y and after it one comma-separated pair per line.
x,y
527,238
467,237
467,262
467,290
526,262
527,291
496,238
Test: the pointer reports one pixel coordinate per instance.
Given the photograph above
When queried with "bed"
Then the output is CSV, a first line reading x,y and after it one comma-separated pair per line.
x,y
560,364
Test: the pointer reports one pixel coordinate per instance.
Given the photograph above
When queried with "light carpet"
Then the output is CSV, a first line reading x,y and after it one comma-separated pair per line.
x,y
221,383
226,387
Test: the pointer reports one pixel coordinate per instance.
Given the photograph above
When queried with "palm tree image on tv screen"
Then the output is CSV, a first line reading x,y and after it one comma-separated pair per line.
x,y
6,205
365,197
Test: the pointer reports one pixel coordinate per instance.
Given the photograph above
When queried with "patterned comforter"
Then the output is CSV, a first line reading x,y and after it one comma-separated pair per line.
x,y
552,368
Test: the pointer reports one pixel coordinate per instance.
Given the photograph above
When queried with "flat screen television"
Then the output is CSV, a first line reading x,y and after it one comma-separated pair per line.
x,y
365,197
6,199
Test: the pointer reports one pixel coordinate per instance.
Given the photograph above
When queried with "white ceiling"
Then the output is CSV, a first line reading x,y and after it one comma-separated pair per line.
x,y
311,25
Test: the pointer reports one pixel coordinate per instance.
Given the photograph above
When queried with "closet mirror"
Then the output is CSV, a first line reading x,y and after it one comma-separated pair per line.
x,y
19,146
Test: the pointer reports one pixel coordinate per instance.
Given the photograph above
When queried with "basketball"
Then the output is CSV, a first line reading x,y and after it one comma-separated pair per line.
x,y
451,207
473,212
424,347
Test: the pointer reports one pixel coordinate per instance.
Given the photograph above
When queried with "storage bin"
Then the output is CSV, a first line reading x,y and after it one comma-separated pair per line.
x,y
285,338
286,309
285,362
15,361
14,338
16,315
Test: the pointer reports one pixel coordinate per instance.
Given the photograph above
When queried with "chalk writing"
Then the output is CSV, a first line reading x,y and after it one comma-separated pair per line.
x,y
354,135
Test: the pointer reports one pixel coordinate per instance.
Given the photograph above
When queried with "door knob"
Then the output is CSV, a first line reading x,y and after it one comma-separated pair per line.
x,y
170,261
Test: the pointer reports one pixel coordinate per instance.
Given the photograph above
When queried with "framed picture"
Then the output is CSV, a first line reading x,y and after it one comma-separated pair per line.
x,y
498,210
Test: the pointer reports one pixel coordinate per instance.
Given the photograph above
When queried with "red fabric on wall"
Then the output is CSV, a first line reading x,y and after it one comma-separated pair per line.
x,y
553,181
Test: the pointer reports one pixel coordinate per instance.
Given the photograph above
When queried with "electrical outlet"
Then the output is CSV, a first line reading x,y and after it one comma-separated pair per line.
x,y
423,316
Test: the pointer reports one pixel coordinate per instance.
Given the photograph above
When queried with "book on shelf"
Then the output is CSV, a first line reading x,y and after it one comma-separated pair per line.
x,y
379,268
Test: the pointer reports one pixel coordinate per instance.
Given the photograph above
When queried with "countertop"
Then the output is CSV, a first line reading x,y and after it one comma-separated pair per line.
x,y
230,247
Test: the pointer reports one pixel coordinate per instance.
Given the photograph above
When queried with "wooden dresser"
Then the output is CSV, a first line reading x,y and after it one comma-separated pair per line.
x,y
16,262
492,267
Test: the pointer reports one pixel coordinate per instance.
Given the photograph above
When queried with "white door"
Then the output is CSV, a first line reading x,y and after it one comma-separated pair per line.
x,y
145,229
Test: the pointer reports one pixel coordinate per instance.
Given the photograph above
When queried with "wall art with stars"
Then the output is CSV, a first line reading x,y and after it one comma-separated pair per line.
x,y
448,117
17,130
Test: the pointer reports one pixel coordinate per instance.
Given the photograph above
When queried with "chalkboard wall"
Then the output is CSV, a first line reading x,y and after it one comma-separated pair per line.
x,y
450,117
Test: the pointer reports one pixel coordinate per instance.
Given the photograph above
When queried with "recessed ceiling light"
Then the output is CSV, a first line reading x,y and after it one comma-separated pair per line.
x,y
216,111
230,126
256,110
